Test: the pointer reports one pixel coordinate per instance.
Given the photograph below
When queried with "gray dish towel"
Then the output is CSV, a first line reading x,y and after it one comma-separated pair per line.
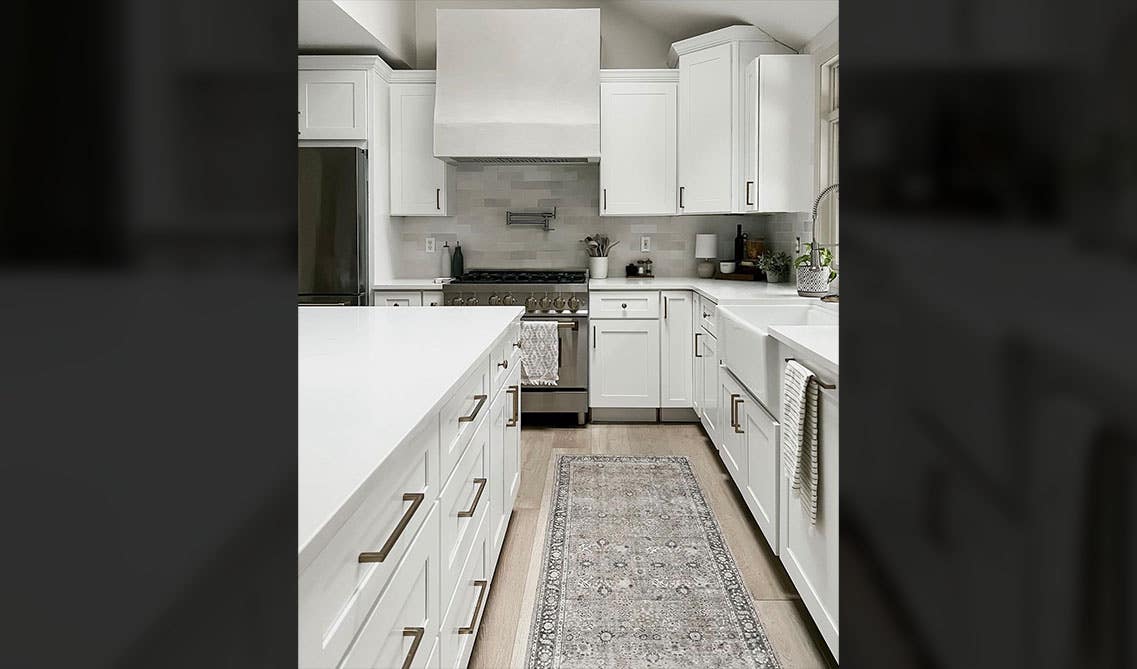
x,y
799,435
540,352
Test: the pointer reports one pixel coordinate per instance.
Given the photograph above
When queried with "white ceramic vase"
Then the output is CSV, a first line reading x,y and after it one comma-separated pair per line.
x,y
598,267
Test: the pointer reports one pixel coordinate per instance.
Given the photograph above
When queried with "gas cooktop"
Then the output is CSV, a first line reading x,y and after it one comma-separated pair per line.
x,y
522,276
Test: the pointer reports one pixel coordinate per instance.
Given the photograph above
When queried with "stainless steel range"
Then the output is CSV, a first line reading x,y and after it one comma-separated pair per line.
x,y
560,295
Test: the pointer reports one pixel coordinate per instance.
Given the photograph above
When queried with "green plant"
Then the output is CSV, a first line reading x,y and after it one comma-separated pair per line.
x,y
777,263
826,258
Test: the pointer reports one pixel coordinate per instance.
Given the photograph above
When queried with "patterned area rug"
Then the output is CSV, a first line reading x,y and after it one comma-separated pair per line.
x,y
636,574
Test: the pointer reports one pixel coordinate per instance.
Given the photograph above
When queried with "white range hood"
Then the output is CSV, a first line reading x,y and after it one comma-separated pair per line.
x,y
518,85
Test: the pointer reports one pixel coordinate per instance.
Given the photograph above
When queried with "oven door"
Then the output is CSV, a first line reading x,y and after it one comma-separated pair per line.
x,y
573,352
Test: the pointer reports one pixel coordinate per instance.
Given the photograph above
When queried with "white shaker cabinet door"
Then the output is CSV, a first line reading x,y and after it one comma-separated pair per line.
x,y
675,367
332,104
637,148
763,458
708,369
706,104
421,184
624,365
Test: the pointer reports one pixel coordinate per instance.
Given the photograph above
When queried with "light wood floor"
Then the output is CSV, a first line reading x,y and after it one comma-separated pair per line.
x,y
787,623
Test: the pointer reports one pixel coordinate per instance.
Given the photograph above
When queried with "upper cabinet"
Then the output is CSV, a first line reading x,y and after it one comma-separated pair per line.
x,y
711,158
421,185
332,104
777,133
638,142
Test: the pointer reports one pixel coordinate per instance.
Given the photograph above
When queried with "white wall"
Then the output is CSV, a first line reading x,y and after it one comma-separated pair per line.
x,y
392,22
624,41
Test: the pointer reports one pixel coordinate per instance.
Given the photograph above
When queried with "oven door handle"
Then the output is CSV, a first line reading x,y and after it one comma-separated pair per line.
x,y
571,325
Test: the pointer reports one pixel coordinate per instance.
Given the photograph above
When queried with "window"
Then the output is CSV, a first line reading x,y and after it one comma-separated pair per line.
x,y
829,108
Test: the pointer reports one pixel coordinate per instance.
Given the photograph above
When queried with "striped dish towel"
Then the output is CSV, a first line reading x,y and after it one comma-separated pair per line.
x,y
799,435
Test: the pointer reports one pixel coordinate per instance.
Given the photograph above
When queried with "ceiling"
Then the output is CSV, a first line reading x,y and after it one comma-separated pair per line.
x,y
794,22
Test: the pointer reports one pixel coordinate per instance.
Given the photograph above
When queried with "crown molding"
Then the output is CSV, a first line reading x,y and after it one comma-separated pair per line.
x,y
346,62
412,77
640,76
715,38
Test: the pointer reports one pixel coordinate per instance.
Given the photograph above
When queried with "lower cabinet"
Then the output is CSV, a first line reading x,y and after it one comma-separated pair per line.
x,y
505,454
707,383
759,432
463,616
732,444
675,335
623,368
402,629
407,298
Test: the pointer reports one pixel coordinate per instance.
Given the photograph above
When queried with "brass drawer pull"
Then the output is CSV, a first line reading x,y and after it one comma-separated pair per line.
x,y
417,633
468,419
481,483
481,585
415,498
733,411
697,344
504,363
735,408
516,392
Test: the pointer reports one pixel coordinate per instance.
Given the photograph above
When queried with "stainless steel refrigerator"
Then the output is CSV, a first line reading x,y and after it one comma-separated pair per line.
x,y
332,230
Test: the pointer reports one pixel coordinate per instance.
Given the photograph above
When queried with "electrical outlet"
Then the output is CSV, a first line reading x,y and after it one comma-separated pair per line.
x,y
645,244
430,244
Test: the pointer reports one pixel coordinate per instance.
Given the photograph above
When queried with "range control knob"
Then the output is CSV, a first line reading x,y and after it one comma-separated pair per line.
x,y
574,303
531,304
509,300
559,303
494,300
546,303
472,301
458,301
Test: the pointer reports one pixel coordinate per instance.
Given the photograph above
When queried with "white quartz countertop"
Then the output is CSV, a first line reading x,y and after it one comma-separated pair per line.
x,y
719,290
367,376
819,341
407,284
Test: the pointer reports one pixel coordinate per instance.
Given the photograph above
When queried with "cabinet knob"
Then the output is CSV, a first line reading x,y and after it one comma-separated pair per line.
x,y
504,363
624,305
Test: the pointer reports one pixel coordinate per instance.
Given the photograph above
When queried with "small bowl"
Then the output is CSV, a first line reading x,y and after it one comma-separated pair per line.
x,y
726,267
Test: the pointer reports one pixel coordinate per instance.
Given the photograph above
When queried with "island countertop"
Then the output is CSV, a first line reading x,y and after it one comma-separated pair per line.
x,y
366,377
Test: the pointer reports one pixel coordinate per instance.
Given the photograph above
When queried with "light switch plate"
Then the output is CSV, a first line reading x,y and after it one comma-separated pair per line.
x,y
430,244
645,244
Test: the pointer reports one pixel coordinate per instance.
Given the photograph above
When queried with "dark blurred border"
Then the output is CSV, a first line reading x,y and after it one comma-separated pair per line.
x,y
989,212
147,345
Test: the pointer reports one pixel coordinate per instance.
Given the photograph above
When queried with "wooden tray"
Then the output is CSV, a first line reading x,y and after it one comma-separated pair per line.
x,y
736,276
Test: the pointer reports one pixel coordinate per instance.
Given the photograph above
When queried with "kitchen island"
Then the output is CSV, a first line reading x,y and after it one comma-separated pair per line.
x,y
409,461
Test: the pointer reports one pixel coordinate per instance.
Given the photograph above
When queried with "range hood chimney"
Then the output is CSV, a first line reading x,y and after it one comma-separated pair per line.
x,y
518,85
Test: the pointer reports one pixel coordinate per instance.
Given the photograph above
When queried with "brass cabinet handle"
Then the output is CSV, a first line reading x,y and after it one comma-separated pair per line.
x,y
438,198
477,607
481,483
415,498
733,411
516,392
593,336
665,306
466,419
748,184
605,199
734,406
417,633
681,197
697,344
504,363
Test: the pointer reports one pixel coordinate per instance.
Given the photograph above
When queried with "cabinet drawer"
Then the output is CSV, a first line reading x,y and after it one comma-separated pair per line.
x,y
411,298
463,617
336,590
408,609
465,501
505,356
707,314
624,304
460,415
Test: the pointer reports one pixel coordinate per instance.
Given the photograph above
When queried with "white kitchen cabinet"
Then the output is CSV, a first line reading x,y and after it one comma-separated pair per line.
x,y
675,344
809,551
398,298
432,298
505,456
707,369
638,147
624,364
332,104
711,83
421,185
732,447
777,133
760,436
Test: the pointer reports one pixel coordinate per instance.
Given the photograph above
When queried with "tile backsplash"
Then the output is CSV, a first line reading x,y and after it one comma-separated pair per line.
x,y
485,192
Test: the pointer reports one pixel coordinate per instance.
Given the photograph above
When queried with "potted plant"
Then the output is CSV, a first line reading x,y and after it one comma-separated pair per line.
x,y
813,283
775,265
598,247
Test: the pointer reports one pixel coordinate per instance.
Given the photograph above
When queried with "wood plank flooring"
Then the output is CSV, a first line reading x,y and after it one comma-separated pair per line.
x,y
787,624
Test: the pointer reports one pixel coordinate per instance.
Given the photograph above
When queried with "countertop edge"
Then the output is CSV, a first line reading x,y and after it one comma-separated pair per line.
x,y
787,340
